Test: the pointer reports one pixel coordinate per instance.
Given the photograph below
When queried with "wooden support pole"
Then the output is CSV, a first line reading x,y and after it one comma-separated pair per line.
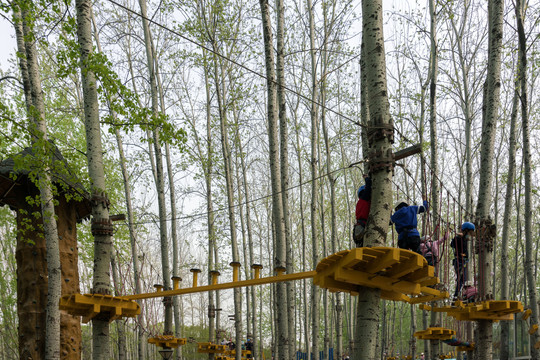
x,y
411,150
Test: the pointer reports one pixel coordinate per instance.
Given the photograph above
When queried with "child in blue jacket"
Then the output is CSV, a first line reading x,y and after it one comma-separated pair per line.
x,y
405,219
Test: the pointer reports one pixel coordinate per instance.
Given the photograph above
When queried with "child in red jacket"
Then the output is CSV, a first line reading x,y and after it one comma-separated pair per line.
x,y
362,211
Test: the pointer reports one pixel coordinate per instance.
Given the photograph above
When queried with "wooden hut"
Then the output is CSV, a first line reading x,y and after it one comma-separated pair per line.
x,y
16,187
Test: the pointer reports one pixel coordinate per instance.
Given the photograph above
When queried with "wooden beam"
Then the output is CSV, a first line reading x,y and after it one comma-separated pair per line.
x,y
411,150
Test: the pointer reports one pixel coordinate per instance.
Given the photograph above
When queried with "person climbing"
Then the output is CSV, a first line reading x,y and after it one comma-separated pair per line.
x,y
405,219
362,211
430,249
249,347
469,292
461,255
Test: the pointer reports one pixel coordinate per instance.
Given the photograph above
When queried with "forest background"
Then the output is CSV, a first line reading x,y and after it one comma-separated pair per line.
x,y
192,110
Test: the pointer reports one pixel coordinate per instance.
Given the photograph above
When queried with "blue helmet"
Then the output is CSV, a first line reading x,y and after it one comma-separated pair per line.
x,y
360,189
467,226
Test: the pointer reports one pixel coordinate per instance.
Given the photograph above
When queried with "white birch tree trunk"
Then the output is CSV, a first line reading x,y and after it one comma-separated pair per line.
x,y
529,251
284,176
380,137
101,224
434,71
141,340
280,256
486,232
41,148
219,78
315,301
120,323
208,169
508,202
159,177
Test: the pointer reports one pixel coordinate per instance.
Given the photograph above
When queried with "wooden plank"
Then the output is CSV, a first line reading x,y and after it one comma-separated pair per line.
x,y
379,282
420,275
385,261
411,150
330,283
394,296
403,268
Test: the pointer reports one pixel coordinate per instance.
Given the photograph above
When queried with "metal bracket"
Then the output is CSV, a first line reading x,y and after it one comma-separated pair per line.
x,y
100,198
381,161
486,231
101,227
380,132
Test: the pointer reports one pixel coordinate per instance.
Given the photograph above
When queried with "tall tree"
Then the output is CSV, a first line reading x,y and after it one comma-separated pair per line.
x,y
101,223
508,201
314,114
129,209
529,251
434,72
380,139
275,178
486,232
284,171
159,177
24,17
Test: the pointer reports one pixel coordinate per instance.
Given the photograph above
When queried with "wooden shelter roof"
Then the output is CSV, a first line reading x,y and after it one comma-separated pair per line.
x,y
16,180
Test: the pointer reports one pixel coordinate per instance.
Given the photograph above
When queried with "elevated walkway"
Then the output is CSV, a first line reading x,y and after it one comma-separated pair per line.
x,y
401,275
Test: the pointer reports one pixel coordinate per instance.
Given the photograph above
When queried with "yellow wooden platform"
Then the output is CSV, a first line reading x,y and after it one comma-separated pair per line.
x,y
435,333
167,341
232,353
486,310
207,347
107,307
401,275
465,348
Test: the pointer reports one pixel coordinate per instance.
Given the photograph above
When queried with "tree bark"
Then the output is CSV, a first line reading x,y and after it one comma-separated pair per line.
x,y
275,175
284,170
380,128
529,251
159,174
120,325
434,71
505,325
101,224
227,162
208,169
486,231
315,311
36,112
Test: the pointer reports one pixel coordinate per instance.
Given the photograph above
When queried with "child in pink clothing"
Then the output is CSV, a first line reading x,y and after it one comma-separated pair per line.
x,y
430,249
469,292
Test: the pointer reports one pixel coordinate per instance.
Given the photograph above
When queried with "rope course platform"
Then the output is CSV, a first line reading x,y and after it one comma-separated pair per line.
x,y
466,348
105,307
397,272
494,310
207,347
232,353
168,341
435,333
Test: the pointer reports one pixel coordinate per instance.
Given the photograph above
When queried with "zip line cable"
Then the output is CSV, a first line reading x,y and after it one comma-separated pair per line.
x,y
358,123
224,57
433,174
195,216
285,87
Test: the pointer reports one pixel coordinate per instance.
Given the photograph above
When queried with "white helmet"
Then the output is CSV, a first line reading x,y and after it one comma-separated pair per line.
x,y
401,203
